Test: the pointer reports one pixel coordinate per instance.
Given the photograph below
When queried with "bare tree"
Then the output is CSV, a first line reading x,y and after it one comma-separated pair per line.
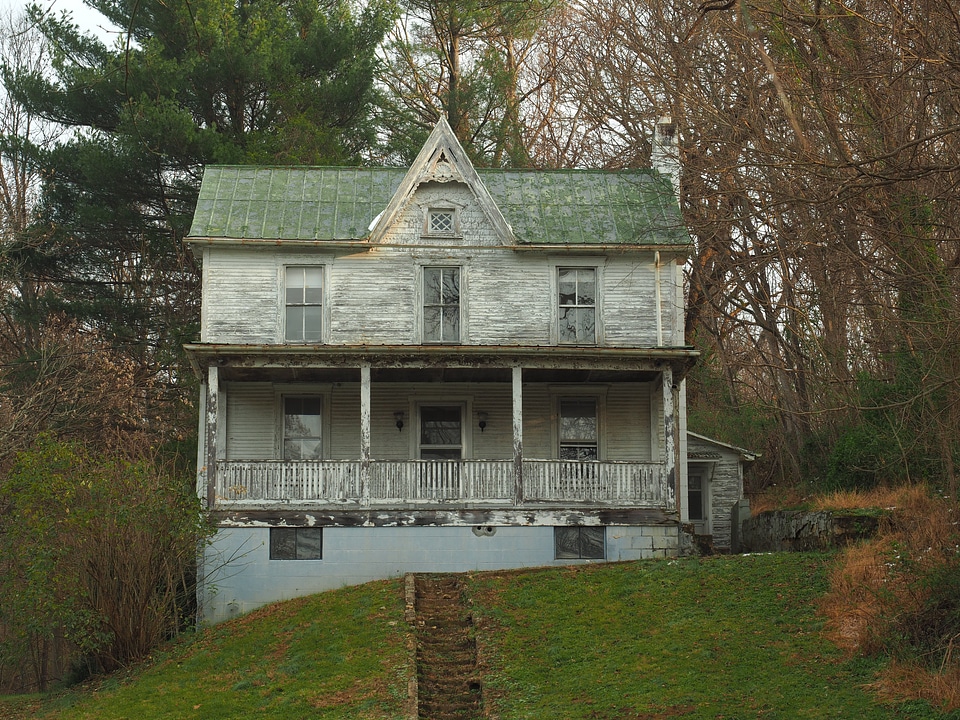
x,y
819,148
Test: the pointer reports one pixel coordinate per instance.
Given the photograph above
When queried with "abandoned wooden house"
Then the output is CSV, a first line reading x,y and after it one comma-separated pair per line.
x,y
437,368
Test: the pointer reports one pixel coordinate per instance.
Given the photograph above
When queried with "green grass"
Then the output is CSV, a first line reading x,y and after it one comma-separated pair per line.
x,y
718,638
337,655
724,637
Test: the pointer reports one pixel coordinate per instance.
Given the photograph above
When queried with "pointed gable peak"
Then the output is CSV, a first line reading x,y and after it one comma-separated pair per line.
x,y
442,159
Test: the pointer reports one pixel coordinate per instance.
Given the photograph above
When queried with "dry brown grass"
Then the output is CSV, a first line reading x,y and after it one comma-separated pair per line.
x,y
903,681
877,586
777,498
898,497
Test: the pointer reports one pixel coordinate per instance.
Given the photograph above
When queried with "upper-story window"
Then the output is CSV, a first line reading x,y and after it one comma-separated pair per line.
x,y
441,221
303,300
577,305
441,304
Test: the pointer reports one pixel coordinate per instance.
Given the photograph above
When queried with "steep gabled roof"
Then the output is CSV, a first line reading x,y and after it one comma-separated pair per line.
x,y
525,207
442,159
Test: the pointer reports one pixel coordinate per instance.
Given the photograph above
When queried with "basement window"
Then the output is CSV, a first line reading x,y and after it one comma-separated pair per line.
x,y
579,543
296,543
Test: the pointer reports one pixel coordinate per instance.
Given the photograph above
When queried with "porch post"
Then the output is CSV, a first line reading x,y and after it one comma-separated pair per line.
x,y
212,433
365,433
517,435
669,439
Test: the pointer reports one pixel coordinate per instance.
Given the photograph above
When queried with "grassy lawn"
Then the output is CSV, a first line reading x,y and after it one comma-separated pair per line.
x,y
724,637
718,638
337,655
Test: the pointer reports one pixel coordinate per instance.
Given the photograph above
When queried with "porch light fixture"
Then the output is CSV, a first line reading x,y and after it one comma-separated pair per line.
x,y
482,416
399,416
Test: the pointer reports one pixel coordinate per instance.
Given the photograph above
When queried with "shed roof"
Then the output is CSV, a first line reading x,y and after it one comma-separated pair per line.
x,y
562,207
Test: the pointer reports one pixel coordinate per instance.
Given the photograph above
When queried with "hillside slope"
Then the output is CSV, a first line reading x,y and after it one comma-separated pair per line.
x,y
725,637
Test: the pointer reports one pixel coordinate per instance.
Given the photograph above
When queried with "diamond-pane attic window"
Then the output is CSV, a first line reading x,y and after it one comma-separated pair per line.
x,y
441,222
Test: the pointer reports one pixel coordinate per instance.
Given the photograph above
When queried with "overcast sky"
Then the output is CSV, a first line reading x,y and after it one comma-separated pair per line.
x,y
83,16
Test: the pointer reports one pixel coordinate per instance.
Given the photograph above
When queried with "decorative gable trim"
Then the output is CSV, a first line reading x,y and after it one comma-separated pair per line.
x,y
442,159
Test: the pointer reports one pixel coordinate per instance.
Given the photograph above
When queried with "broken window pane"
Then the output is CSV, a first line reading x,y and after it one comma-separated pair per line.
x,y
577,305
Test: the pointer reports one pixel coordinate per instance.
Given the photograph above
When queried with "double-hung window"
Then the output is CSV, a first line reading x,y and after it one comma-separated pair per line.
x,y
302,427
441,304
578,429
303,301
577,314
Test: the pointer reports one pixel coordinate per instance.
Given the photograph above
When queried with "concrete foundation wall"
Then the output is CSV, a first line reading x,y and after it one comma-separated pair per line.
x,y
239,575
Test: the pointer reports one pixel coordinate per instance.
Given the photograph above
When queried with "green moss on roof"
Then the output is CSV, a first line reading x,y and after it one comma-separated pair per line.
x,y
564,207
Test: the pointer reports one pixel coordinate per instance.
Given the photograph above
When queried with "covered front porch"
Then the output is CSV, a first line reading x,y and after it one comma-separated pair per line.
x,y
395,467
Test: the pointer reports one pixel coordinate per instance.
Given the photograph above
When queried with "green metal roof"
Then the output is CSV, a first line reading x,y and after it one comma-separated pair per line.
x,y
563,207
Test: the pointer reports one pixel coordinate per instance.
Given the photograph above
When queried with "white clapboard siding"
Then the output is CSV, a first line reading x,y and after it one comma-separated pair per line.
x,y
626,430
240,296
251,421
373,298
628,299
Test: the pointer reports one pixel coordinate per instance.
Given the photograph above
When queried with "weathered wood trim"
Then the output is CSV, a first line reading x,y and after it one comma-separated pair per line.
x,y
429,356
212,435
669,437
528,517
365,454
517,391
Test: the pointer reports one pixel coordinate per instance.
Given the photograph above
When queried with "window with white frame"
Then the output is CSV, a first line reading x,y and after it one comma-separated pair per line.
x,y
577,316
579,543
303,303
441,304
441,221
578,429
296,543
302,427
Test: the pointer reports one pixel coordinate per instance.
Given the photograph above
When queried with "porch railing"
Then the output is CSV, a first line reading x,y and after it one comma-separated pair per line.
x,y
423,482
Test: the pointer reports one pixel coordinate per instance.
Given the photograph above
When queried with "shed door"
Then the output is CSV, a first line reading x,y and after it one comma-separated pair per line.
x,y
698,498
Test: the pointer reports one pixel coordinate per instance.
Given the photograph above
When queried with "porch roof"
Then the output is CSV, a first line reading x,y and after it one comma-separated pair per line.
x,y
238,357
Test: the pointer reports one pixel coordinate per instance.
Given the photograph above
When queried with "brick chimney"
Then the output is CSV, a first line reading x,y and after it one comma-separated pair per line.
x,y
665,157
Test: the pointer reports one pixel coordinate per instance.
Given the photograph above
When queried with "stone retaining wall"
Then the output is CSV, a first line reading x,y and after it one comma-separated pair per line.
x,y
797,530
